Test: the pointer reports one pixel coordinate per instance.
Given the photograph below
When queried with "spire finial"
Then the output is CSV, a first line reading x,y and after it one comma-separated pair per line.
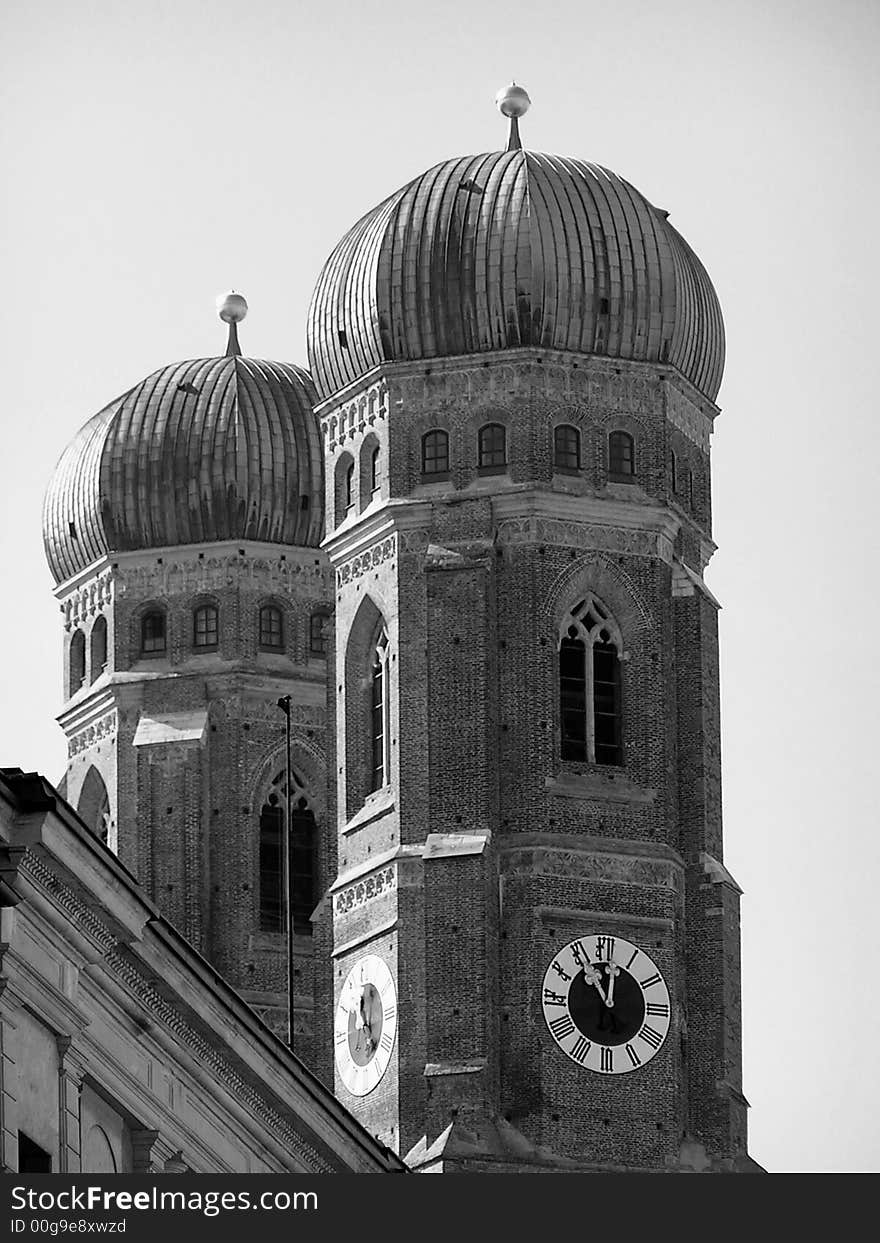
x,y
232,308
513,101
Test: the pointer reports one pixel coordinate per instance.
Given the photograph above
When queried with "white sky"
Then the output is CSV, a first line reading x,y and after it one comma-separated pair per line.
x,y
157,153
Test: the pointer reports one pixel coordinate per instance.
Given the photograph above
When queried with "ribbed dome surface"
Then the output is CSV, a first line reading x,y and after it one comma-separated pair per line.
x,y
513,249
215,449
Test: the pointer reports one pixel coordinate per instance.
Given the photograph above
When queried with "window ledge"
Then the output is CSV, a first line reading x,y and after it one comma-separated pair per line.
x,y
493,470
378,804
604,786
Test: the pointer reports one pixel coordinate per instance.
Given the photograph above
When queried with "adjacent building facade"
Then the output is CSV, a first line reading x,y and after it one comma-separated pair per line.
x,y
121,1049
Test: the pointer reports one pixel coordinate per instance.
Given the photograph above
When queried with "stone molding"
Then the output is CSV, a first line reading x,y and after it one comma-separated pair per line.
x,y
207,1054
104,727
354,896
191,576
560,588
687,419
352,416
355,567
88,599
590,536
576,864
80,915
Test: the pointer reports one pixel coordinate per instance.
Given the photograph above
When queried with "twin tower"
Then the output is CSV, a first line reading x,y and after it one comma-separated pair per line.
x,y
469,545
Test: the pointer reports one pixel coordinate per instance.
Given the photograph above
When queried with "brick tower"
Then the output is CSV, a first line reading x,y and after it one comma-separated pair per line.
x,y
182,527
535,939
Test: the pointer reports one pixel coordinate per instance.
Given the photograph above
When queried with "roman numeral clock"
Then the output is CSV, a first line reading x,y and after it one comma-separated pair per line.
x,y
606,1004
366,1025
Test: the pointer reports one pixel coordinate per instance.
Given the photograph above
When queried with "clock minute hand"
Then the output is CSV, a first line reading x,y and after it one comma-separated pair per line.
x,y
613,973
594,977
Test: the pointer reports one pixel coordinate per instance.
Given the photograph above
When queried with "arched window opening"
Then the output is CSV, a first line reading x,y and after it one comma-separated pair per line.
x,y
435,453
590,686
492,447
686,484
673,472
205,626
380,755
566,447
303,871
153,637
317,637
77,661
375,470
98,647
621,454
271,627
98,1156
93,807
344,497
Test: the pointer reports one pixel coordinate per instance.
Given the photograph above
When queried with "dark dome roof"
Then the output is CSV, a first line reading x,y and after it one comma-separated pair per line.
x,y
215,449
511,249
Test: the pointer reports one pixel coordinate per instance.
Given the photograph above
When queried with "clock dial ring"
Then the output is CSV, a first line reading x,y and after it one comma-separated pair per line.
x,y
606,1004
365,1027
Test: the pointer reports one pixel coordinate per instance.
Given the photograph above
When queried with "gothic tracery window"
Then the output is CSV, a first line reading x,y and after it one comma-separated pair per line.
x,y
379,714
303,873
590,685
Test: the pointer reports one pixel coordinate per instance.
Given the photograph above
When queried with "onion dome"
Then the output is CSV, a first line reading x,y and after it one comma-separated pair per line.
x,y
513,249
213,449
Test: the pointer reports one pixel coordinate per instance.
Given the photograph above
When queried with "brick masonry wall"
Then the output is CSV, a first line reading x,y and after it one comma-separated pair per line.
x,y
189,812
475,596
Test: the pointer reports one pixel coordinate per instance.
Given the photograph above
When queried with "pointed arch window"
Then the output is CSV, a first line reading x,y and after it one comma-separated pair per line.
x,y
98,647
590,685
375,470
77,661
348,487
380,754
153,633
492,447
205,627
566,447
435,453
621,455
303,872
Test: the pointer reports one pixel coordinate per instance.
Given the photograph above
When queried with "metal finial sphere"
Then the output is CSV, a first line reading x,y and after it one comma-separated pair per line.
x,y
231,307
512,101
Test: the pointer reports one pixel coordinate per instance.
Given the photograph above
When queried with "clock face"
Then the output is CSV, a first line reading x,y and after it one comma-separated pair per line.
x,y
366,1024
606,1004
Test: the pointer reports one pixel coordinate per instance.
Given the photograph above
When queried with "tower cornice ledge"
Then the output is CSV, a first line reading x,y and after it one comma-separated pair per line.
x,y
555,373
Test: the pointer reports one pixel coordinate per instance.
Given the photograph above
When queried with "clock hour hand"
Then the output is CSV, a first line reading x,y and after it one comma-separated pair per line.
x,y
594,977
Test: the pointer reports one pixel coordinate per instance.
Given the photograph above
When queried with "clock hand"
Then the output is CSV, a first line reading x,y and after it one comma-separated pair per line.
x,y
613,972
594,977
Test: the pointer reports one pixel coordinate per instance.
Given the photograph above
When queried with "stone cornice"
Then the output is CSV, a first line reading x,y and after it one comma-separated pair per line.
x,y
366,530
202,563
564,375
